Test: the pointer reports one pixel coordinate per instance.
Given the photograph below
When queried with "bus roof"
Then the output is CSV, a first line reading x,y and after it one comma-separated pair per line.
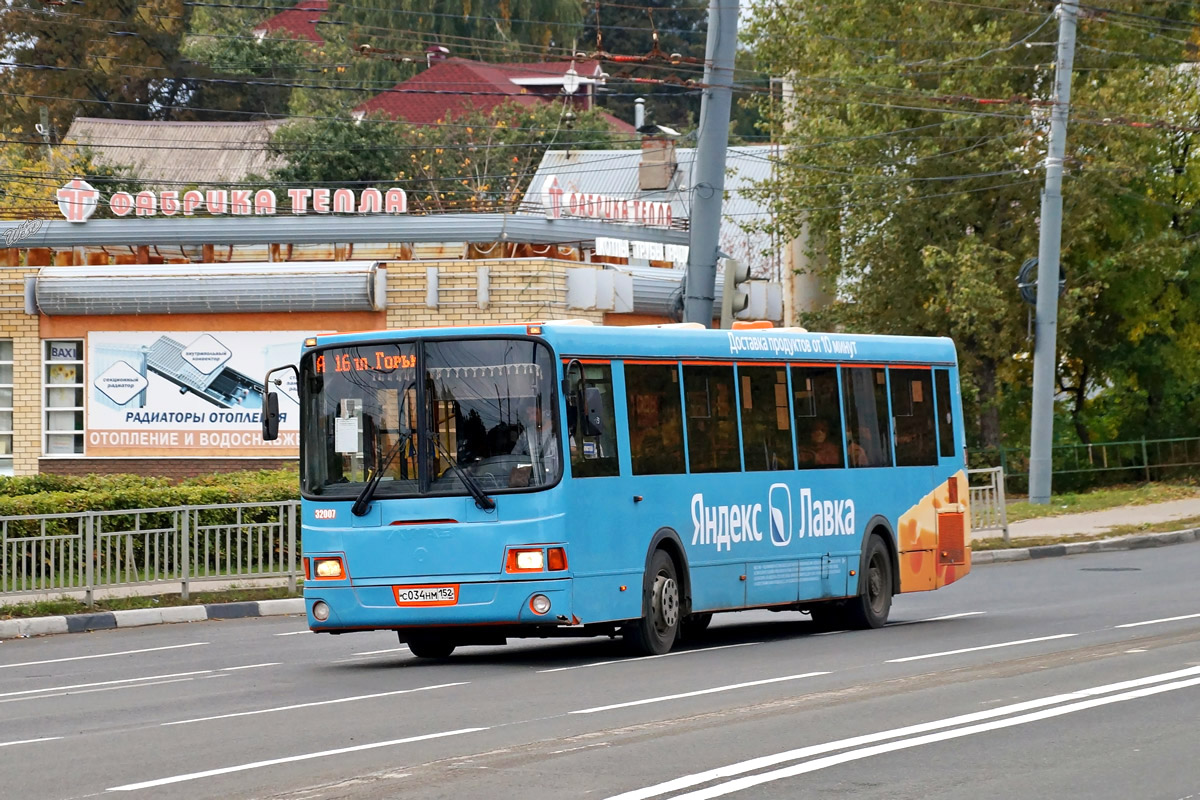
x,y
613,341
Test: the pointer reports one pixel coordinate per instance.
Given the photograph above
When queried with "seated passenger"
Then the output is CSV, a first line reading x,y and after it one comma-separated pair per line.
x,y
821,451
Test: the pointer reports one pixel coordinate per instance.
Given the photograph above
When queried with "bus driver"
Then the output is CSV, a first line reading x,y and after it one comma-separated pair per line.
x,y
538,442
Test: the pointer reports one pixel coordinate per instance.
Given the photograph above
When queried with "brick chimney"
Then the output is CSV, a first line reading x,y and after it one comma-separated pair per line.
x,y
657,166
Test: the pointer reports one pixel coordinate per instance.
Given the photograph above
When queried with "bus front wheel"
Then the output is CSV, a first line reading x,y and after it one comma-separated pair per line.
x,y
424,646
655,633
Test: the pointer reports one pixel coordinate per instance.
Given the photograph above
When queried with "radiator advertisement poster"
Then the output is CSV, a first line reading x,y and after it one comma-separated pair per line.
x,y
188,393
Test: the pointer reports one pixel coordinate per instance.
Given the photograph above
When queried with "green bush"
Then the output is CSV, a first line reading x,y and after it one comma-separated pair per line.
x,y
56,494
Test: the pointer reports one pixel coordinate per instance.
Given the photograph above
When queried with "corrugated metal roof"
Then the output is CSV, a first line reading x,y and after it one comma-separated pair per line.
x,y
614,173
168,154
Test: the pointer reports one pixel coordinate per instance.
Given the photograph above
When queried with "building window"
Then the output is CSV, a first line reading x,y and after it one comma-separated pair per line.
x,y
6,407
62,397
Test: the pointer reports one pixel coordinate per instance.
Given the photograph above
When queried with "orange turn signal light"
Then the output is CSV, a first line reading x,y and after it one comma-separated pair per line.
x,y
310,341
307,577
556,559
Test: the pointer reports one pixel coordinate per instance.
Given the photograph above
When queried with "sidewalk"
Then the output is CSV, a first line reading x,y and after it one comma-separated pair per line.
x,y
1095,522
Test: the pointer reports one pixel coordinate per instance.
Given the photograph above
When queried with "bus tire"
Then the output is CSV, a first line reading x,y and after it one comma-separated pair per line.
x,y
427,646
869,609
655,633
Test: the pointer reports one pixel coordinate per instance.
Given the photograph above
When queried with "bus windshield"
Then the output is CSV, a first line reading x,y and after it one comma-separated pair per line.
x,y
483,414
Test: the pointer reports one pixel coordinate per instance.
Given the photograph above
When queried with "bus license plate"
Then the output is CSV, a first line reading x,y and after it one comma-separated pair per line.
x,y
442,595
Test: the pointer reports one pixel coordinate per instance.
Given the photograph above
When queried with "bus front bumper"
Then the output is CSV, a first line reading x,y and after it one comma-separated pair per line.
x,y
357,608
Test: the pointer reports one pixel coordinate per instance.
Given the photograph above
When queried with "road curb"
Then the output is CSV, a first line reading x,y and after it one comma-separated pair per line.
x,y
107,620
1138,542
137,617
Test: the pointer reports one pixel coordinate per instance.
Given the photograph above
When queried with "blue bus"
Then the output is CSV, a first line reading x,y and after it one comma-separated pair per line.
x,y
462,486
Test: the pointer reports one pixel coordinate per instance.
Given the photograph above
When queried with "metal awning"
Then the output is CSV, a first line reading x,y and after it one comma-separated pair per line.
x,y
209,288
324,228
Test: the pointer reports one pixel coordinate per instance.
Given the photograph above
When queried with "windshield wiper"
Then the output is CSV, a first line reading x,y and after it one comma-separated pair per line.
x,y
364,497
481,499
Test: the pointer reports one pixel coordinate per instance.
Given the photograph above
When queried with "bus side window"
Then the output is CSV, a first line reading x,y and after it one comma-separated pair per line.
x,y
912,413
766,423
655,419
868,435
818,417
712,423
591,429
945,421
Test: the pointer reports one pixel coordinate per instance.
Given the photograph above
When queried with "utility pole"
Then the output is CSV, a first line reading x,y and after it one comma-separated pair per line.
x,y
708,170
1041,433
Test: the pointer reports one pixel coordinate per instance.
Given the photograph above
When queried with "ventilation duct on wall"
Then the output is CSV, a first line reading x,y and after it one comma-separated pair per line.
x,y
239,288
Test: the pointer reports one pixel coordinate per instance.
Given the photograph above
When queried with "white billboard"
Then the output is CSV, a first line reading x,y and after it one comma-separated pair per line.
x,y
188,393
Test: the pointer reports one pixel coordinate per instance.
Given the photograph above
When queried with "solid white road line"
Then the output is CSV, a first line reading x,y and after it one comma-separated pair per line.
x,y
30,741
762,762
251,666
191,776
315,703
740,784
291,633
647,658
982,647
713,690
937,619
377,652
1156,621
102,655
105,683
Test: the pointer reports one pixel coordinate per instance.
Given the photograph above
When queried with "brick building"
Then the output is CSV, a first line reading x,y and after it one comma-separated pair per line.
x,y
137,345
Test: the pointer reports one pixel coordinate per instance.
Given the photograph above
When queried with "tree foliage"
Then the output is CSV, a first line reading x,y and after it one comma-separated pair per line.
x,y
110,58
371,47
479,162
916,140
629,29
31,176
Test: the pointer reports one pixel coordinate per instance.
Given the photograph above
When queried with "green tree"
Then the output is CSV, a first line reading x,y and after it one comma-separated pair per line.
x,y
110,58
915,135
30,177
629,30
375,46
232,71
480,162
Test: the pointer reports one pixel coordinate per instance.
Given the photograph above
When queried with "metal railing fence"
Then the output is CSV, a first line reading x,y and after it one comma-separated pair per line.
x,y
1081,466
986,495
89,550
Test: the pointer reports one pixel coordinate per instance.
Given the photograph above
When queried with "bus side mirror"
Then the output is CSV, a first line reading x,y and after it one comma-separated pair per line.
x,y
270,417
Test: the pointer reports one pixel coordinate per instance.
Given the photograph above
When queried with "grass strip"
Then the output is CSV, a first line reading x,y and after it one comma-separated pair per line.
x,y
53,608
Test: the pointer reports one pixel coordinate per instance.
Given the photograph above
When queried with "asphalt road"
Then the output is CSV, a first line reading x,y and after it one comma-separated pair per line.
x,y
1056,678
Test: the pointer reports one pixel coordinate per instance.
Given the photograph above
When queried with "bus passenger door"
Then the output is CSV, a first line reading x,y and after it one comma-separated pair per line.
x,y
605,561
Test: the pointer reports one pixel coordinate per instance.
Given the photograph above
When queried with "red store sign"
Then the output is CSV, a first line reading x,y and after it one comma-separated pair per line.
x,y
77,201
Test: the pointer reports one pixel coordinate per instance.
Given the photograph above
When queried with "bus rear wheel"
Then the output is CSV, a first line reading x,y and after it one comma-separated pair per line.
x,y
426,646
870,608
655,633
